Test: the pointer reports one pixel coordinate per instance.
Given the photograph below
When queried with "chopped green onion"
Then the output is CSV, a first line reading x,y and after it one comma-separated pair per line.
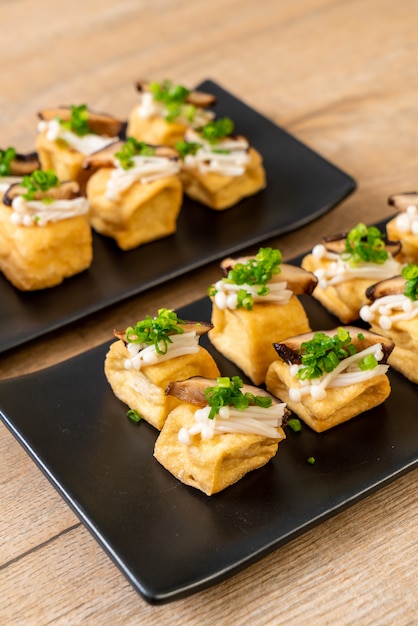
x,y
227,392
39,180
218,129
322,354
174,99
133,415
187,147
294,424
156,330
410,273
132,148
78,123
6,157
311,460
365,244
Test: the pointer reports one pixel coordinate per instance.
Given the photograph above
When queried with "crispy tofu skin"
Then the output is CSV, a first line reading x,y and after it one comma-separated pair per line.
x,y
210,465
64,160
222,192
38,257
339,405
246,337
155,130
343,300
144,390
409,251
144,212
404,356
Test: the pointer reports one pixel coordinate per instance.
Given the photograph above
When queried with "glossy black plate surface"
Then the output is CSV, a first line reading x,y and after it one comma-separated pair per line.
x,y
171,540
301,187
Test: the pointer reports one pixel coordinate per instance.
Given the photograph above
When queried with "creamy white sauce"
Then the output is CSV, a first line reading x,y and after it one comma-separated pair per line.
x,y
387,310
150,108
346,373
208,160
38,213
226,296
407,221
253,420
145,170
339,271
87,144
142,354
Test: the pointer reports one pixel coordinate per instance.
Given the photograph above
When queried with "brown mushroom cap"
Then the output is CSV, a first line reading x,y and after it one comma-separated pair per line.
x,y
298,280
193,390
106,156
99,123
200,328
288,350
401,201
24,164
200,99
65,191
336,244
387,287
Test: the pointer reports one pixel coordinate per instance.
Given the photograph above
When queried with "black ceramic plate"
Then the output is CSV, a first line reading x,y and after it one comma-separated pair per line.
x,y
171,540
301,187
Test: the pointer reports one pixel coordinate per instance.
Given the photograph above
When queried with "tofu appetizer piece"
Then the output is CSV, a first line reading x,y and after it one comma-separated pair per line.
x,y
14,165
165,111
150,355
220,168
137,197
44,236
405,225
221,431
330,376
393,313
254,305
68,134
347,264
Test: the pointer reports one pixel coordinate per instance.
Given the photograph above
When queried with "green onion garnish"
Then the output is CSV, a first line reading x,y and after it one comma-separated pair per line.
x,y
156,330
365,244
133,415
78,122
132,148
410,273
6,157
39,180
227,392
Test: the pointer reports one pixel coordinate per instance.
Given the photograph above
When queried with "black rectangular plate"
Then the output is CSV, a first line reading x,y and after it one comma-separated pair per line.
x,y
301,187
170,540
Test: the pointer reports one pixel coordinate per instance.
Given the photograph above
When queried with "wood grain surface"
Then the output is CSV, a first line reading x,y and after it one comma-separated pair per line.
x,y
342,77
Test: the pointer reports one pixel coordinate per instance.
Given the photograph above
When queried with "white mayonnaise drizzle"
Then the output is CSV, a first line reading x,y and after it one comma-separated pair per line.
x,y
38,213
142,354
339,271
149,108
226,296
253,420
87,144
387,310
346,373
145,170
208,160
407,221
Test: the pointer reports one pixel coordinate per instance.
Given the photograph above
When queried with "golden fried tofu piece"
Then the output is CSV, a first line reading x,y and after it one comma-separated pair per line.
x,y
144,390
219,191
213,464
144,212
246,337
37,257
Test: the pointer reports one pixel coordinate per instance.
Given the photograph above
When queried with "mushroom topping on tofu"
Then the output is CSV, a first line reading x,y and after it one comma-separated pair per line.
x,y
387,287
198,98
401,201
23,164
291,349
63,191
98,123
298,280
337,244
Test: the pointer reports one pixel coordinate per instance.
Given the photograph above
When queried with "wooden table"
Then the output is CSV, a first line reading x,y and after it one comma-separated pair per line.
x,y
340,76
